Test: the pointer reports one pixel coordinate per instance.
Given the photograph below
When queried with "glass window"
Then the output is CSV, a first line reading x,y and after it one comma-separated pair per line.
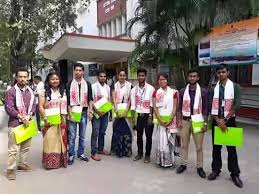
x,y
244,74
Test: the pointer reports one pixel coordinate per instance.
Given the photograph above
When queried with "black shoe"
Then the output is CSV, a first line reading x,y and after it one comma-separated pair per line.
x,y
138,157
70,160
181,169
237,181
147,159
83,158
201,172
212,176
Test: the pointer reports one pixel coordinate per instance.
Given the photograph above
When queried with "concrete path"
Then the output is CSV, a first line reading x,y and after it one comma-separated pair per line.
x,y
123,176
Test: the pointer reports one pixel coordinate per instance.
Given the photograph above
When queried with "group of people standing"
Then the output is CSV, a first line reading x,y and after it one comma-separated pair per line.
x,y
144,107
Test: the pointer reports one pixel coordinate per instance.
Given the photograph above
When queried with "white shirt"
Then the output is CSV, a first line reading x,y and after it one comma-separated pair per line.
x,y
40,88
99,90
144,101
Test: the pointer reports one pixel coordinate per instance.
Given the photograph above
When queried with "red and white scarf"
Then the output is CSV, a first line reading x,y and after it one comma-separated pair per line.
x,y
164,101
122,92
228,98
77,98
57,102
197,106
100,91
20,103
143,98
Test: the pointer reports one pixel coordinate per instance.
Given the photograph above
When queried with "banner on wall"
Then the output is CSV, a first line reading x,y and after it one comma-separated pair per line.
x,y
92,69
235,44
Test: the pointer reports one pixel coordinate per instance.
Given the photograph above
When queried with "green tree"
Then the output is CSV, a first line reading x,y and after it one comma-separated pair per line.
x,y
4,49
30,22
176,26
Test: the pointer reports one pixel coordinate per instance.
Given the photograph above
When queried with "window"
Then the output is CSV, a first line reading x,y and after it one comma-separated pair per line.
x,y
244,74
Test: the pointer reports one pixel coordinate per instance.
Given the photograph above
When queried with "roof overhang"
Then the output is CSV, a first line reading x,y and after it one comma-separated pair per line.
x,y
88,48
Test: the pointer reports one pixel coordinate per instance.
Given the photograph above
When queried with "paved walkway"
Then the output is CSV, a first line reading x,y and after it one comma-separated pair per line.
x,y
123,176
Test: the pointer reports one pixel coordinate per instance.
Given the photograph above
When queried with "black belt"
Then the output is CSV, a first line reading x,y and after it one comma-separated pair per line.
x,y
187,118
143,114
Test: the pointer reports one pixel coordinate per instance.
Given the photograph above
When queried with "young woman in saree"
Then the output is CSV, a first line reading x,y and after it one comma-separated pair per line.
x,y
165,105
121,138
53,104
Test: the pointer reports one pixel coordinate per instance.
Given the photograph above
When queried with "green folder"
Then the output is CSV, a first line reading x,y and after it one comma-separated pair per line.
x,y
232,137
54,119
104,108
197,127
122,112
165,118
77,113
53,116
23,133
77,117
155,120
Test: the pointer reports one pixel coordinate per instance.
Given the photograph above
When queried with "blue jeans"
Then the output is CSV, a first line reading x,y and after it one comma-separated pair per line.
x,y
98,132
72,130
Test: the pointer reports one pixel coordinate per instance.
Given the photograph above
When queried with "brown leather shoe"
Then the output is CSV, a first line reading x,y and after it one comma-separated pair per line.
x,y
24,168
11,174
104,152
96,157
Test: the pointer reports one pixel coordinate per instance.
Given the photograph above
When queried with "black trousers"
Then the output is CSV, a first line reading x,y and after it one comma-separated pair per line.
x,y
142,124
38,117
233,166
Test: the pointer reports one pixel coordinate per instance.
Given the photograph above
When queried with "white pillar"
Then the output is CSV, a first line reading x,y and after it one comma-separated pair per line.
x,y
103,30
108,29
100,31
118,26
123,24
113,28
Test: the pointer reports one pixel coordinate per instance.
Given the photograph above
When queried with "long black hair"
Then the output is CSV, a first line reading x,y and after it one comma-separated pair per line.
x,y
48,87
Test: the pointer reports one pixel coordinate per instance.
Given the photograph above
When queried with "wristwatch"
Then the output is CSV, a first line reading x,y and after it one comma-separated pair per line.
x,y
205,124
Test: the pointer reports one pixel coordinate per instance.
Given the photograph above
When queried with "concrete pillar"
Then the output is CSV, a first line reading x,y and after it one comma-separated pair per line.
x,y
123,23
100,31
103,30
118,26
113,28
108,29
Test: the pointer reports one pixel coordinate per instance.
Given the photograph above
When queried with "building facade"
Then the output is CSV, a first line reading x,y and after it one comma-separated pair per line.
x,y
101,41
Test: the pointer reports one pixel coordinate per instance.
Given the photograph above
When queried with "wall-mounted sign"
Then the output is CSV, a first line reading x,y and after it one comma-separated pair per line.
x,y
107,9
92,69
234,44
